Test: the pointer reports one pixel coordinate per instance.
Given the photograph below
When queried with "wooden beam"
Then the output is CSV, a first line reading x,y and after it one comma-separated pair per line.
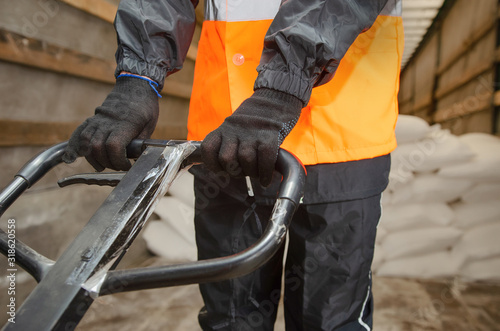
x,y
99,8
403,102
25,133
467,45
200,12
423,103
468,105
32,52
39,54
107,12
170,132
496,99
192,52
468,76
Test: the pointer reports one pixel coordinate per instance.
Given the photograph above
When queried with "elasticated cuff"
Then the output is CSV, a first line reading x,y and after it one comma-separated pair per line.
x,y
287,82
140,67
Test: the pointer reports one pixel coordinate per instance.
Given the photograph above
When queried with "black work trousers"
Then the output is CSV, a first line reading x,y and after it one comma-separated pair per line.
x,y
327,278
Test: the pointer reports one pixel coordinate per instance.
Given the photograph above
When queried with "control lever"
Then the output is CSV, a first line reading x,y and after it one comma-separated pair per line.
x,y
96,178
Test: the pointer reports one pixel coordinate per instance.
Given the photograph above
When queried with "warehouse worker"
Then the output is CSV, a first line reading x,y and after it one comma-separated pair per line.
x,y
318,77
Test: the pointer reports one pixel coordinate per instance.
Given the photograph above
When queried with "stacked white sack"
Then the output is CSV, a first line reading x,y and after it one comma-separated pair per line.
x,y
441,211
172,236
478,212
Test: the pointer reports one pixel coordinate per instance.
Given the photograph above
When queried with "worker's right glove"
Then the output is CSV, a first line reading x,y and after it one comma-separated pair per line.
x,y
130,111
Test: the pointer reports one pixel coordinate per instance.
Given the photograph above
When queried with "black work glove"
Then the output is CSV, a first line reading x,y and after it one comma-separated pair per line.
x,y
130,111
247,143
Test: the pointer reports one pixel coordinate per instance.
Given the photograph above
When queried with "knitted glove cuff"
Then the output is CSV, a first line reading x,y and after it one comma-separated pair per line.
x,y
154,85
290,105
291,102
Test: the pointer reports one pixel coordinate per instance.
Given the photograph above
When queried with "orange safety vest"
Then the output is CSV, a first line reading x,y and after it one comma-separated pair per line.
x,y
352,117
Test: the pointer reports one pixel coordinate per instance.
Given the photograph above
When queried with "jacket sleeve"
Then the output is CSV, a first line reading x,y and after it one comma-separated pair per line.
x,y
307,39
153,36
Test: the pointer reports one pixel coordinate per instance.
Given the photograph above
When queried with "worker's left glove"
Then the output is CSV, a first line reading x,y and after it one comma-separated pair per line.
x,y
247,143
129,112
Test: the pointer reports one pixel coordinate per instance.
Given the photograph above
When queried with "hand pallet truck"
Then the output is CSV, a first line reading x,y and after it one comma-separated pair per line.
x,y
86,269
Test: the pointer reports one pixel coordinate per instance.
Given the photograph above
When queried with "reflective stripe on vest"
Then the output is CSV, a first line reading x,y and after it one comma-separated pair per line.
x,y
352,117
242,10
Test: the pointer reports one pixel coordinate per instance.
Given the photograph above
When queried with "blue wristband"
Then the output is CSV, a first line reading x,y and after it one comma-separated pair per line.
x,y
151,83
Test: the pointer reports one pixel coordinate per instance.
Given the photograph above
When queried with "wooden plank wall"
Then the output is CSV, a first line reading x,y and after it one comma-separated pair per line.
x,y
450,79
57,64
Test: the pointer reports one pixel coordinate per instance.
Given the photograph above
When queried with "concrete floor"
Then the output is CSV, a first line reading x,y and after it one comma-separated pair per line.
x,y
400,305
